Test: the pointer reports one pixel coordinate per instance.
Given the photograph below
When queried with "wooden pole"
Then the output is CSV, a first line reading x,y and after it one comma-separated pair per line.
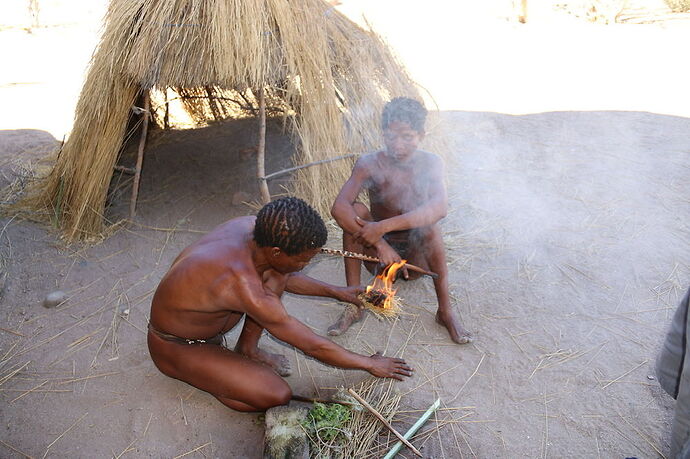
x,y
140,156
303,166
385,423
261,150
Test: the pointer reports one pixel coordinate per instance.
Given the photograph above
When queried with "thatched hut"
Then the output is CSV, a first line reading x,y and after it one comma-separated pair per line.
x,y
326,75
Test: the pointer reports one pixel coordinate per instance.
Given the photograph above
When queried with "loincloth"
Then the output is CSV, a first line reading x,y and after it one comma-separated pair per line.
x,y
218,340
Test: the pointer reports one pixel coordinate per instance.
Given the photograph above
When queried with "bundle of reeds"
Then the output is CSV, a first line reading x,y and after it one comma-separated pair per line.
x,y
330,77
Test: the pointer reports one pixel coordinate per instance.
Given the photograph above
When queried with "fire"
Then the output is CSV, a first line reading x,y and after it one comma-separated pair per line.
x,y
383,284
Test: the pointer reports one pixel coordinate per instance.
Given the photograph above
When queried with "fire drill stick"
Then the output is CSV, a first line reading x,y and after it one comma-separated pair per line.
x,y
361,256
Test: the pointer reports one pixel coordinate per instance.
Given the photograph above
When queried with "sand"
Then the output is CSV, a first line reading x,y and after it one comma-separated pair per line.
x,y
567,240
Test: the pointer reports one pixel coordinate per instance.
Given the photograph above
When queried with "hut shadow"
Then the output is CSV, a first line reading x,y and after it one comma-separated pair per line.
x,y
207,174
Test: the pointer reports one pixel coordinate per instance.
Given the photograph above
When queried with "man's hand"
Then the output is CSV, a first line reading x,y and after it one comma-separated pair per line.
x,y
387,367
386,254
370,232
350,295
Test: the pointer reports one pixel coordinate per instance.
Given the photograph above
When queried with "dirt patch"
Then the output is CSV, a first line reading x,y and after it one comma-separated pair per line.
x,y
567,241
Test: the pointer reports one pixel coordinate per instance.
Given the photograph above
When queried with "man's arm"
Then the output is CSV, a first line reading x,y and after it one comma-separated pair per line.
x,y
301,284
267,310
343,210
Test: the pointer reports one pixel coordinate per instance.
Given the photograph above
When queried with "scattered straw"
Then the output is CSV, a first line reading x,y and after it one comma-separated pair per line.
x,y
16,450
29,391
64,433
625,374
468,379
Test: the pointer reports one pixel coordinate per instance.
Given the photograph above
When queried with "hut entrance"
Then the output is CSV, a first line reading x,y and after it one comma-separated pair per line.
x,y
326,77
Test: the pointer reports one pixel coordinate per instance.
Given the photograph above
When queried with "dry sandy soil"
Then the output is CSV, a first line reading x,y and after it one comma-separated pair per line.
x,y
567,238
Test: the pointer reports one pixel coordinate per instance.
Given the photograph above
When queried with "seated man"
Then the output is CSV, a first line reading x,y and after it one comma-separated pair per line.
x,y
241,269
408,198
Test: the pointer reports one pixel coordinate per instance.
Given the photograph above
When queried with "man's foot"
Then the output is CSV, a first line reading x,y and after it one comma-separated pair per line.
x,y
350,315
278,362
457,333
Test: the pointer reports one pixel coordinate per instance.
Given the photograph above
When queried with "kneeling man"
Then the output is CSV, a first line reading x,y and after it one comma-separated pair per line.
x,y
241,269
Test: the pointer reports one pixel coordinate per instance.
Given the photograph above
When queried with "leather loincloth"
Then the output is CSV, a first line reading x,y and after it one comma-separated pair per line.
x,y
219,339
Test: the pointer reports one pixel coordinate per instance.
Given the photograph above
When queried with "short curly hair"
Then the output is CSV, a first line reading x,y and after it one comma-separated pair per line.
x,y
405,110
290,224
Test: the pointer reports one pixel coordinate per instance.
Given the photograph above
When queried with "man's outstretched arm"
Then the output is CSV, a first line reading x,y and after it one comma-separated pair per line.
x,y
301,284
267,310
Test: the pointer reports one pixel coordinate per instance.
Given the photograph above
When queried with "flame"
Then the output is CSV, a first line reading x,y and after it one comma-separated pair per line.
x,y
384,283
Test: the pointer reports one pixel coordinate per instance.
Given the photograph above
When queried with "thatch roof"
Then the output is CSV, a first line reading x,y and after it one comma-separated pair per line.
x,y
330,78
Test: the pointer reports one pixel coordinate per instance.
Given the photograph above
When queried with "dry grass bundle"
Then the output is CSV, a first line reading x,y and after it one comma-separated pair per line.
x,y
365,428
330,78
374,301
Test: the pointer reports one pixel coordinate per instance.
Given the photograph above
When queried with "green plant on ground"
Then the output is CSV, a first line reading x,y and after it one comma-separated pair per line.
x,y
325,425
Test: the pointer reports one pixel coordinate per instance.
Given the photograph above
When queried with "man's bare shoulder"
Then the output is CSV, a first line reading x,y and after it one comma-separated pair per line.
x,y
367,161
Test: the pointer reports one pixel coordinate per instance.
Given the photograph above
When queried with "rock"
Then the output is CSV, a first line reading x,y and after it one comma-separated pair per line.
x,y
54,298
240,197
285,438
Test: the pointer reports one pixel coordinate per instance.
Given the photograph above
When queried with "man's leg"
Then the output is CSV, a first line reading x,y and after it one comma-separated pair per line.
x,y
434,258
248,345
353,273
235,380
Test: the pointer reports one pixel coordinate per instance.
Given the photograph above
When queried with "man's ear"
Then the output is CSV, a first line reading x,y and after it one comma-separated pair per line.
x,y
275,251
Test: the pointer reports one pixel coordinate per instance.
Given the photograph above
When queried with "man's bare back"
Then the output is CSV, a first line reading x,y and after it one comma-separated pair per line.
x,y
233,273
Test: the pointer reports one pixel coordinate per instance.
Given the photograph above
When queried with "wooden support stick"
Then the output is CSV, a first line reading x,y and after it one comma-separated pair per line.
x,y
303,166
385,423
125,170
140,157
261,149
360,256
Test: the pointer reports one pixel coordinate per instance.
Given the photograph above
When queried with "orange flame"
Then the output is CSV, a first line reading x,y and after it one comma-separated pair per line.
x,y
384,283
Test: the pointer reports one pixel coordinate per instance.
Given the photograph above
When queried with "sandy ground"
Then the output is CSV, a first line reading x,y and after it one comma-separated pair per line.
x,y
567,239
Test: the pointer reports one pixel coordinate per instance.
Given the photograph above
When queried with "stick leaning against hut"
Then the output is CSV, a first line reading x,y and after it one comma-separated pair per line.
x,y
329,78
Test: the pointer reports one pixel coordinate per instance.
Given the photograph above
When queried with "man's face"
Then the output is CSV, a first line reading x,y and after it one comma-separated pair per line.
x,y
401,140
286,264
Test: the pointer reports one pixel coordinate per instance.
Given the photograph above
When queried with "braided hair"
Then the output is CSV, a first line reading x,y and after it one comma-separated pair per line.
x,y
291,225
405,110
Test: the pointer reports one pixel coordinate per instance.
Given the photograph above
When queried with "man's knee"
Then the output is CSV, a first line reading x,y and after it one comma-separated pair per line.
x,y
276,395
362,211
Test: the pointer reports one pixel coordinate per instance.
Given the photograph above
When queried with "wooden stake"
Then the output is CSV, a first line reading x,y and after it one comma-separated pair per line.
x,y
140,157
166,118
385,423
261,150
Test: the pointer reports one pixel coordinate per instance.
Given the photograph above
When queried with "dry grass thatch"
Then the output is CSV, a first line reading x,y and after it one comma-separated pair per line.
x,y
329,77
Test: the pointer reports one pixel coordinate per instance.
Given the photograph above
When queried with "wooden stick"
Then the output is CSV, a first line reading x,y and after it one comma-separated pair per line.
x,y
126,170
385,423
302,398
261,149
360,256
303,166
140,156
